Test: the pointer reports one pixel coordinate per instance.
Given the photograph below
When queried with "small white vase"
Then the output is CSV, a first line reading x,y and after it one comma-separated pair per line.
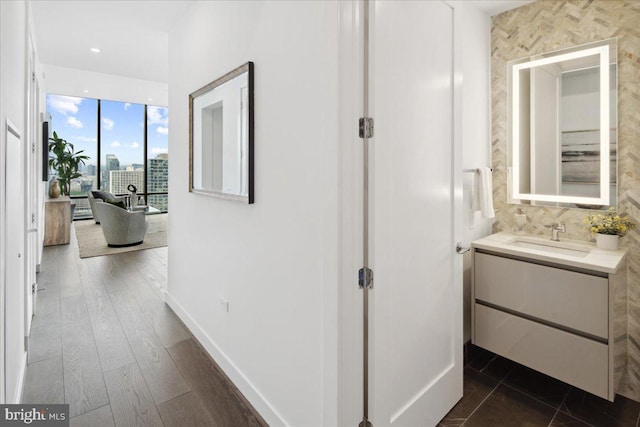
x,y
607,241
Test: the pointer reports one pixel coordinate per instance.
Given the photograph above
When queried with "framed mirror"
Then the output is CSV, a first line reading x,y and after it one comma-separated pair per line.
x,y
563,127
221,137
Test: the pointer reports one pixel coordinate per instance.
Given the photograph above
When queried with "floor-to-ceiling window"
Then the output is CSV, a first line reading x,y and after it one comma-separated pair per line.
x,y
158,157
127,144
121,146
76,120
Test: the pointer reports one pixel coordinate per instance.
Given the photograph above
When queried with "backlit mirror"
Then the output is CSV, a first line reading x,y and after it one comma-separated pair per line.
x,y
563,127
221,137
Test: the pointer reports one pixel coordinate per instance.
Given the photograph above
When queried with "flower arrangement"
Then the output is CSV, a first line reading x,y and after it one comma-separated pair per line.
x,y
609,223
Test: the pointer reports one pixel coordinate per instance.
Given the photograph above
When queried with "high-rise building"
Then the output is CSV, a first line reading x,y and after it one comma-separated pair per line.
x,y
120,180
111,164
158,181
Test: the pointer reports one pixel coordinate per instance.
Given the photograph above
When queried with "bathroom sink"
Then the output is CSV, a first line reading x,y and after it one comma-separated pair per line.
x,y
560,248
540,248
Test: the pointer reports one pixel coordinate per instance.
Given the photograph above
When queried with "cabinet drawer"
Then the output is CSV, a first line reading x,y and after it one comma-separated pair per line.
x,y
570,358
574,300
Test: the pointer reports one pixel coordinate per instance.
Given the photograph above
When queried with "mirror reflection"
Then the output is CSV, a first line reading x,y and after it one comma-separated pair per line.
x,y
563,128
221,136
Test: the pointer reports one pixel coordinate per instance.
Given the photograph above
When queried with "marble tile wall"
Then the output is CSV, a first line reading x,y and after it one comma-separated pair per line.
x,y
549,25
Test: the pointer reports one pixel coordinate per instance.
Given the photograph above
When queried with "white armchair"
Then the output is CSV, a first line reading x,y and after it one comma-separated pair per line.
x,y
93,200
120,226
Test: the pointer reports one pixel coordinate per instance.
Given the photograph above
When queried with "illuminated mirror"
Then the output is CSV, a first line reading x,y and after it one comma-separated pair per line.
x,y
563,128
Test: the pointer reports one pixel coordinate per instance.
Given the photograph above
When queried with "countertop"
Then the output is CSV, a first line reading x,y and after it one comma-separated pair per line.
x,y
593,258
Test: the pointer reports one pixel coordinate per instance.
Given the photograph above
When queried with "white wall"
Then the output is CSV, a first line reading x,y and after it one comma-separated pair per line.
x,y
476,135
73,82
275,261
13,25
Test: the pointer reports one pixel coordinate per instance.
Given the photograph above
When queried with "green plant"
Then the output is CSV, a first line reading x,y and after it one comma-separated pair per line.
x,y
65,161
609,223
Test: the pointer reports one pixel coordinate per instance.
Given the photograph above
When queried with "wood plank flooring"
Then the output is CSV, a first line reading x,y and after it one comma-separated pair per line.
x,y
103,341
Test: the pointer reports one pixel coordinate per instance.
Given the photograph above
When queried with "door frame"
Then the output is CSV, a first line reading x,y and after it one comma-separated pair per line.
x,y
31,179
350,202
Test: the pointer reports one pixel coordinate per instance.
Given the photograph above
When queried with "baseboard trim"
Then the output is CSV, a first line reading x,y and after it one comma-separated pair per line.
x,y
246,387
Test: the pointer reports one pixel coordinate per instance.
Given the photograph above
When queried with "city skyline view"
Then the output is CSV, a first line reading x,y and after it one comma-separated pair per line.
x,y
121,128
75,119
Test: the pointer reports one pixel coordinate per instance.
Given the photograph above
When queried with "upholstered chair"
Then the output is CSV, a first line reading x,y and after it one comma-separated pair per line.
x,y
103,196
120,226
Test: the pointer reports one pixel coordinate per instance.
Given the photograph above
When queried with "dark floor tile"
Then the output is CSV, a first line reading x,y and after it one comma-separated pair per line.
x,y
507,407
538,385
478,358
598,412
564,420
477,387
498,368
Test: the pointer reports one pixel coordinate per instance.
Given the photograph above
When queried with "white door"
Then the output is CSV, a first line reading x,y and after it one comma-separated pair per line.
x,y
417,293
14,262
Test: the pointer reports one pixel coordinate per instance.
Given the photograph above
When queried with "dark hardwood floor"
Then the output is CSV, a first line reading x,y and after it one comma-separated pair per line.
x,y
103,341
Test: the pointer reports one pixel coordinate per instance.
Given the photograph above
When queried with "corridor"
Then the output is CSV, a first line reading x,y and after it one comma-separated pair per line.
x,y
103,341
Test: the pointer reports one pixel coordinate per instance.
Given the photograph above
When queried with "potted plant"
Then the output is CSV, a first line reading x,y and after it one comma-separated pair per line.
x,y
65,161
609,227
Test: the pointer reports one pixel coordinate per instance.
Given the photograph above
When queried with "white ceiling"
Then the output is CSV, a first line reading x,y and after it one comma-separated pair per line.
x,y
132,35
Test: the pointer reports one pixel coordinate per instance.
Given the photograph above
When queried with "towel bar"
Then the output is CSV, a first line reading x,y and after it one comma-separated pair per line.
x,y
473,170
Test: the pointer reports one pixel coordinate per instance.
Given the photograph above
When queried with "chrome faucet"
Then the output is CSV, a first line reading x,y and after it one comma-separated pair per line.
x,y
556,228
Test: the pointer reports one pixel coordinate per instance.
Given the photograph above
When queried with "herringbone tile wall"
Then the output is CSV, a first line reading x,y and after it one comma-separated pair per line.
x,y
549,25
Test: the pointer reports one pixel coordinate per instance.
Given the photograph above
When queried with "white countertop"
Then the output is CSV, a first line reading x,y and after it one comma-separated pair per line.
x,y
589,258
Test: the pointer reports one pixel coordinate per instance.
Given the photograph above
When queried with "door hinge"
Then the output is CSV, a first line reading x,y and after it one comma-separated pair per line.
x,y
365,127
365,278
34,288
33,77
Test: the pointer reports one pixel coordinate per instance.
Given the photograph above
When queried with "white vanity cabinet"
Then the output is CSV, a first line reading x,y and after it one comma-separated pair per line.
x,y
562,315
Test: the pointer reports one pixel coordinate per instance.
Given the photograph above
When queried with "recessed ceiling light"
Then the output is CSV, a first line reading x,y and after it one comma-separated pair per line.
x,y
150,99
95,50
86,91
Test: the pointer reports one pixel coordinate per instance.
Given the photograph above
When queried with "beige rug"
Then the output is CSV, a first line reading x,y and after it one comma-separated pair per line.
x,y
91,240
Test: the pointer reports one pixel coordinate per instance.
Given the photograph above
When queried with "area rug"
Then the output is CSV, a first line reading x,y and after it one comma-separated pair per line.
x,y
91,240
